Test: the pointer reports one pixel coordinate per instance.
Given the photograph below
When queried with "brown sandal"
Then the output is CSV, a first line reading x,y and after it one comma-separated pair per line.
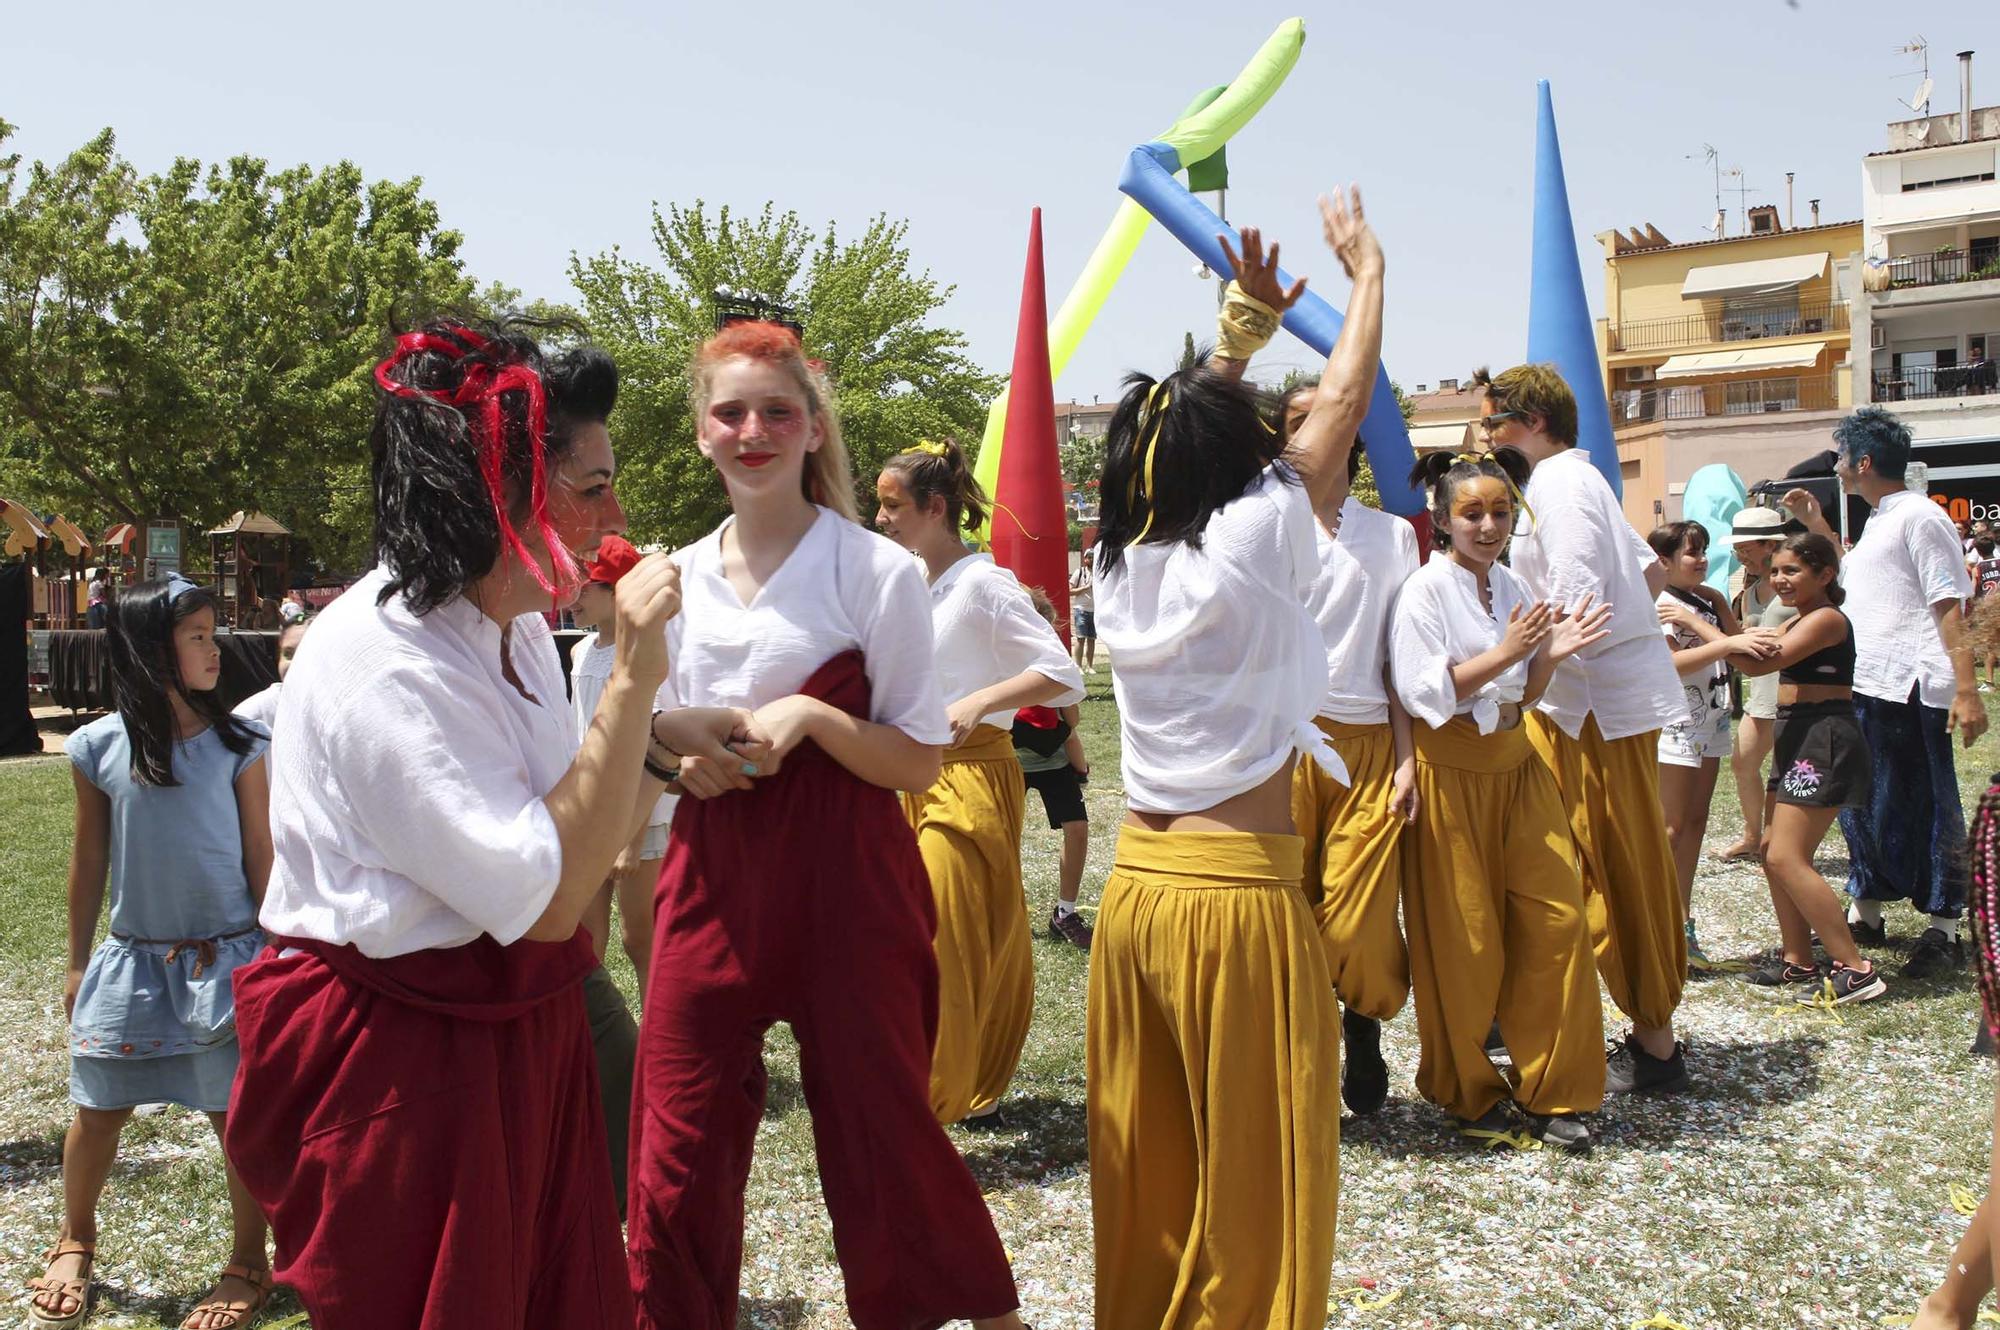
x,y
65,1290
239,1317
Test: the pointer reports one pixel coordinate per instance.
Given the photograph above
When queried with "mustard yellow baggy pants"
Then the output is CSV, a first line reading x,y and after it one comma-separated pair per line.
x,y
1494,909
1630,888
1354,867
1214,1087
968,829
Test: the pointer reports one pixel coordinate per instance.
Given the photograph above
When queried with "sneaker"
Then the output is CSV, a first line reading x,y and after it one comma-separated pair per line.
x,y
1560,1131
1845,985
1774,971
1935,954
1495,1128
1630,1069
1697,958
1364,1076
1072,928
994,1121
1869,935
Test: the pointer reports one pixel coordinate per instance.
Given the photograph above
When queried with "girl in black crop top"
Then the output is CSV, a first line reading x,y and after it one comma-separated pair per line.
x,y
1819,766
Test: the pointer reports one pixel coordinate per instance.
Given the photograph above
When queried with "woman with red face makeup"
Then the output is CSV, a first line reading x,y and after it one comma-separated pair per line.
x,y
792,888
416,1106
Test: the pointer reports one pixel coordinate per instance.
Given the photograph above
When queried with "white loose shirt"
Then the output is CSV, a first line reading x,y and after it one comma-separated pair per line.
x,y
1440,621
841,588
1360,572
1906,561
407,790
1217,665
589,671
1581,545
988,631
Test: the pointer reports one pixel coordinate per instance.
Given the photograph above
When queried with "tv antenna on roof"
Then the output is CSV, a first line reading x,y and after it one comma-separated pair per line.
x,y
1920,103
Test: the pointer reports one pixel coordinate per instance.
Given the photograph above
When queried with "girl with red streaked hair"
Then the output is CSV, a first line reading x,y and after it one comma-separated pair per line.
x,y
799,895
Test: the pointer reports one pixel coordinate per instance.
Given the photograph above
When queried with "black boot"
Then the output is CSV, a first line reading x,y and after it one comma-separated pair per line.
x,y
1364,1078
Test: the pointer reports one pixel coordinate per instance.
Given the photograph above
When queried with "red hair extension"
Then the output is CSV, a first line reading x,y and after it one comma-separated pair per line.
x,y
478,399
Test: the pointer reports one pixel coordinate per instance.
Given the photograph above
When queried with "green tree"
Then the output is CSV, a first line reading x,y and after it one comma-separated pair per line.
x,y
897,376
201,340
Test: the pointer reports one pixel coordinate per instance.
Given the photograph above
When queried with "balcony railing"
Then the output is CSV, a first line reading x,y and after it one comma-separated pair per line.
x,y
1944,266
1740,397
1917,382
1734,324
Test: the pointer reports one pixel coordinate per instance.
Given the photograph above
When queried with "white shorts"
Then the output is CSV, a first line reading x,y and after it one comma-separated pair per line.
x,y
1689,744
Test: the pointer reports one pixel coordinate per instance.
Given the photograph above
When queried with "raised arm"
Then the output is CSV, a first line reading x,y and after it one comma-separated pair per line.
x,y
1329,432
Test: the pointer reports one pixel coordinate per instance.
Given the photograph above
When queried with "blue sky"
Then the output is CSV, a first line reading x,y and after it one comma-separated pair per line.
x,y
544,129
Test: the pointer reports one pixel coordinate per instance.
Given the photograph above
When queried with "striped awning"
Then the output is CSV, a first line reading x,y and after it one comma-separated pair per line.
x,y
1747,360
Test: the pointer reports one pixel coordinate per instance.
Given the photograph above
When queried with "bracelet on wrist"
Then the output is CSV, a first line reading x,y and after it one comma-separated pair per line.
x,y
653,734
660,771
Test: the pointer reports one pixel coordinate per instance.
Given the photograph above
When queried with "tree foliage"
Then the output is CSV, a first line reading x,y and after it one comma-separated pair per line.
x,y
185,344
898,377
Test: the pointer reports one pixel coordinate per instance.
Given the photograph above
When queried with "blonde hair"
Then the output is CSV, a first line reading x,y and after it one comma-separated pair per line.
x,y
827,478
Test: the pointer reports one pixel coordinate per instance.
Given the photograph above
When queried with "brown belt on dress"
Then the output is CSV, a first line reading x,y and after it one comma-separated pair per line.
x,y
203,947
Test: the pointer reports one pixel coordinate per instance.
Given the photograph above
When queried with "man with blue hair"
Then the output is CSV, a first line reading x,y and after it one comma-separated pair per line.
x,y
1914,684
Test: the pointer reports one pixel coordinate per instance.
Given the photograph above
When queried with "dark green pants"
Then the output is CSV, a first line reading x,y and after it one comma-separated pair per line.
x,y
614,1036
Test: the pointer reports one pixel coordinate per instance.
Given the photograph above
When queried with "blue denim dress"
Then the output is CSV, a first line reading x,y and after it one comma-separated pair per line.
x,y
155,1019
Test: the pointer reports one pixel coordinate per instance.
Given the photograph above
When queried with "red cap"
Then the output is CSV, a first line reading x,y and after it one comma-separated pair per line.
x,y
615,558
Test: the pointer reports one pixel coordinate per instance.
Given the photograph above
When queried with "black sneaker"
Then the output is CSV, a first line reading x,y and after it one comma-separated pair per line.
x,y
1935,954
1495,1129
1774,971
994,1121
1869,935
1630,1069
1560,1131
1364,1076
1072,928
1845,985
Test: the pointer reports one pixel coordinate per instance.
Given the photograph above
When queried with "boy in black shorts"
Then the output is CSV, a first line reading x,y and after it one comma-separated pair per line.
x,y
1053,763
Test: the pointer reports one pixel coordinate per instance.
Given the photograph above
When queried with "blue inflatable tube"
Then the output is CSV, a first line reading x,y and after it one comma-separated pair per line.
x,y
1149,180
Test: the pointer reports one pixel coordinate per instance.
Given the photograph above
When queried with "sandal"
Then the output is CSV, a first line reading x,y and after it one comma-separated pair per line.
x,y
64,1290
238,1316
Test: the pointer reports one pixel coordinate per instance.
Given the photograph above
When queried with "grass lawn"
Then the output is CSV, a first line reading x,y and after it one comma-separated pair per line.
x,y
1807,1180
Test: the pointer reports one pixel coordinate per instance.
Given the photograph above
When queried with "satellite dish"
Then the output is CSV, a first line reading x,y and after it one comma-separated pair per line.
x,y
1922,131
1922,101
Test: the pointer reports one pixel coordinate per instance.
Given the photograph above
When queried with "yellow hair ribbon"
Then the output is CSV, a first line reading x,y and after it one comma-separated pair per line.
x,y
1157,402
929,448
1023,526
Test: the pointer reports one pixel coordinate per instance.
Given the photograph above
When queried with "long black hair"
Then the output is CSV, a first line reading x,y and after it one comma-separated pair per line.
x,y
146,673
1443,472
438,527
1209,437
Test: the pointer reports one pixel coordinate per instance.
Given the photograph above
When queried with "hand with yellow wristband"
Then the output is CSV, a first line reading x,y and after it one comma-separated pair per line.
x,y
1255,303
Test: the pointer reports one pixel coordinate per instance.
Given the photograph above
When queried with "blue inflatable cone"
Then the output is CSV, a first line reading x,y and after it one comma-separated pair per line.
x,y
1560,329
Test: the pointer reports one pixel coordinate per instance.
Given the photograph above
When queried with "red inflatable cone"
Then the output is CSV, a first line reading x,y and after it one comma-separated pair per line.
x,y
1031,525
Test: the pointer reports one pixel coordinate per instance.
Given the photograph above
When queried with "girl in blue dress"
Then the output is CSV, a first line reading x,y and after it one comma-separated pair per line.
x,y
172,809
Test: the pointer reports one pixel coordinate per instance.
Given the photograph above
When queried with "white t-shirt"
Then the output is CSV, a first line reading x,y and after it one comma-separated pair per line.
x,y
1580,544
842,587
589,670
1360,573
1439,622
1906,561
407,790
988,630
1217,665
1705,691
261,708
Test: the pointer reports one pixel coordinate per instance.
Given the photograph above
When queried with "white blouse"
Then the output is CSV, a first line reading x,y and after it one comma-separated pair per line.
x,y
1580,544
1359,575
842,587
407,788
1217,665
1440,622
988,631
589,671
260,709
